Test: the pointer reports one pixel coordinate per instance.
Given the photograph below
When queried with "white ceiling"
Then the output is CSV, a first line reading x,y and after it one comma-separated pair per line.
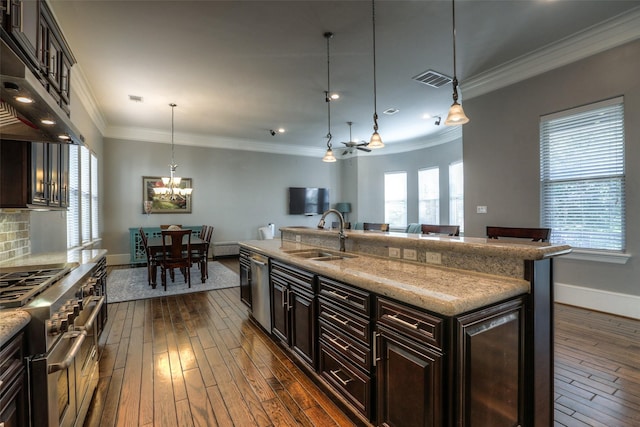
x,y
237,69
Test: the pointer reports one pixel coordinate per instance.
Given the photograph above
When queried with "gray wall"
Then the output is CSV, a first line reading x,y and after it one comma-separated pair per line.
x,y
235,191
501,155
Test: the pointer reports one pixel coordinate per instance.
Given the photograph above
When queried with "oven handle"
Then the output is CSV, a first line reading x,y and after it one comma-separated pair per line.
x,y
92,317
79,337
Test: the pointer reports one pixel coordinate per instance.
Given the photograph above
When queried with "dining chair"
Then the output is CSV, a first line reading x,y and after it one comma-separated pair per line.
x,y
375,226
534,234
151,260
449,230
176,253
202,257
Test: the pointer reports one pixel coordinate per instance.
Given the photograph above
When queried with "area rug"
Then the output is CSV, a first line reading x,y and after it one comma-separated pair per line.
x,y
131,283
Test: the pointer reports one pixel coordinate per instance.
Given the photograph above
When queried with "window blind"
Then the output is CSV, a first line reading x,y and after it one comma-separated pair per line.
x,y
95,229
73,210
583,177
85,194
395,198
429,196
456,194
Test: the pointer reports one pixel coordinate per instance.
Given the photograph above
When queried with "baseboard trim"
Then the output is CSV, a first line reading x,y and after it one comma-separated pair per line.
x,y
119,259
599,300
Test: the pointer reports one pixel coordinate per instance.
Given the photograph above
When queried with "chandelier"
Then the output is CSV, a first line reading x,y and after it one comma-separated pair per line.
x,y
171,189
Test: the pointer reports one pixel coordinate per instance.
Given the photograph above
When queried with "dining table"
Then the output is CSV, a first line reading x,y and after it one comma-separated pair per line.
x,y
155,247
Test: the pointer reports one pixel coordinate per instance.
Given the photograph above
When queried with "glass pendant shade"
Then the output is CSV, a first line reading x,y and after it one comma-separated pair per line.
x,y
456,115
328,156
375,141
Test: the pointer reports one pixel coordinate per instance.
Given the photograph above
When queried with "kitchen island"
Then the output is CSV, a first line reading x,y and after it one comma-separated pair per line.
x,y
471,337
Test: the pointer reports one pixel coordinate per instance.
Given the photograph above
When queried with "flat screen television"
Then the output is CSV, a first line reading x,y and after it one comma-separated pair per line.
x,y
308,201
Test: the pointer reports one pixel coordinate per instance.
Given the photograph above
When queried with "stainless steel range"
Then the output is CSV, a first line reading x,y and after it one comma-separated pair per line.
x,y
62,338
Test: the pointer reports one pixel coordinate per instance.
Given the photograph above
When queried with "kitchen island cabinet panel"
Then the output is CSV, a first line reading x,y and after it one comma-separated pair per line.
x,y
491,366
409,382
245,277
294,310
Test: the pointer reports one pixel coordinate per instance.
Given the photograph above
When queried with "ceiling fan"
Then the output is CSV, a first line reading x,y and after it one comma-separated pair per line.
x,y
351,145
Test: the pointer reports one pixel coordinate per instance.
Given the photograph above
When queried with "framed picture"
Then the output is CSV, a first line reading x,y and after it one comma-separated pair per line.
x,y
170,202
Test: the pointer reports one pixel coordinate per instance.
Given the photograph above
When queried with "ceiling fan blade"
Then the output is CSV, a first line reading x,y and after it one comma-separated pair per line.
x,y
345,152
368,150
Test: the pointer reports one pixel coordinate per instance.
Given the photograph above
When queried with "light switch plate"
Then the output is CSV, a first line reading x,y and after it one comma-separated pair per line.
x,y
481,209
297,237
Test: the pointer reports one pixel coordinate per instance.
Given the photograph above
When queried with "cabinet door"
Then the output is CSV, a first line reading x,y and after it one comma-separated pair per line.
x,y
54,175
410,389
303,315
280,310
39,173
63,172
24,26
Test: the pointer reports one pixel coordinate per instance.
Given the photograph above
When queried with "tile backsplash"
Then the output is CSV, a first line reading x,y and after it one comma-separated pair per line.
x,y
14,235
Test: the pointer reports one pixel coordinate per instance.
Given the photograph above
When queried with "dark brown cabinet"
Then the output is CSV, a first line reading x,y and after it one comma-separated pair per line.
x,y
410,366
345,361
39,40
245,277
293,314
23,26
49,174
491,375
34,174
13,392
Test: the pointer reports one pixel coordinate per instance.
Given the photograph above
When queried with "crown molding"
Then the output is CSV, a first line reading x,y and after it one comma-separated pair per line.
x,y
83,91
195,140
598,38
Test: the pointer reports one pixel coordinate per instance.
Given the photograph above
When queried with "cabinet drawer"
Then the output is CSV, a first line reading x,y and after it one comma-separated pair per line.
x,y
293,275
352,384
345,321
411,321
352,350
345,295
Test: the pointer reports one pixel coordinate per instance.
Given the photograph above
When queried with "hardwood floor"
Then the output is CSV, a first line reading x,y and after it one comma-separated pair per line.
x,y
196,360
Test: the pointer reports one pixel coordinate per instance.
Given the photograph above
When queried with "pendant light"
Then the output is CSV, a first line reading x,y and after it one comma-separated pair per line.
x,y
375,141
328,156
456,114
172,189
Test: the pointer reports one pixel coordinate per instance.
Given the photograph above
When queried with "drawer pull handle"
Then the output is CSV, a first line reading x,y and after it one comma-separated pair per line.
x,y
337,344
396,319
336,376
337,295
337,319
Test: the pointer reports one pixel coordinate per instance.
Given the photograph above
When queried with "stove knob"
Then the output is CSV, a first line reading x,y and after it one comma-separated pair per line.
x,y
64,325
80,304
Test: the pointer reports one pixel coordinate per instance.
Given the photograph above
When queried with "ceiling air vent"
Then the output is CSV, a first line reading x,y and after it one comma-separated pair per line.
x,y
135,98
433,79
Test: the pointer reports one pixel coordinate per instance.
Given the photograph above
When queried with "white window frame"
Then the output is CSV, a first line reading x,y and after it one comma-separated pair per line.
x,y
582,177
395,199
83,210
456,194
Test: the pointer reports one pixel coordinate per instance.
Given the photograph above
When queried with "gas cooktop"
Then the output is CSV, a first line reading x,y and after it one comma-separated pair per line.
x,y
18,287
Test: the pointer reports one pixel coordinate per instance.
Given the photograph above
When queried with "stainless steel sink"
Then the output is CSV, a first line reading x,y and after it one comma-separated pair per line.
x,y
319,254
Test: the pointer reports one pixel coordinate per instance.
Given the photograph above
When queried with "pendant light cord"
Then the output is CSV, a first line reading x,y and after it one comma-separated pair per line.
x,y
327,94
455,77
375,97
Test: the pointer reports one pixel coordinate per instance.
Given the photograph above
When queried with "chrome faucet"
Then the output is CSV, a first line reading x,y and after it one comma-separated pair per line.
x,y
341,234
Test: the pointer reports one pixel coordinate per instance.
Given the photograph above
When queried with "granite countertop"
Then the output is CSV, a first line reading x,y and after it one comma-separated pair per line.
x,y
71,257
503,248
442,290
11,322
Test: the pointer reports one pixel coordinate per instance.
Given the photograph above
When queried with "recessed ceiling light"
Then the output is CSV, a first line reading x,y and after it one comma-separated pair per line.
x,y
47,122
281,130
335,96
64,137
391,111
135,98
24,99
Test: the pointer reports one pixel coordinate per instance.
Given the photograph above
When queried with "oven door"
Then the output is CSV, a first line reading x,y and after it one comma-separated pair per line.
x,y
53,382
87,359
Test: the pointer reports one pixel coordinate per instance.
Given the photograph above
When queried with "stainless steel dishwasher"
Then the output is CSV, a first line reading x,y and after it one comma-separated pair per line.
x,y
260,296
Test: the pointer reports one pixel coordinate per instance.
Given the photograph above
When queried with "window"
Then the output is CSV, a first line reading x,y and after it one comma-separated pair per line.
x,y
582,177
83,212
429,196
395,198
456,195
